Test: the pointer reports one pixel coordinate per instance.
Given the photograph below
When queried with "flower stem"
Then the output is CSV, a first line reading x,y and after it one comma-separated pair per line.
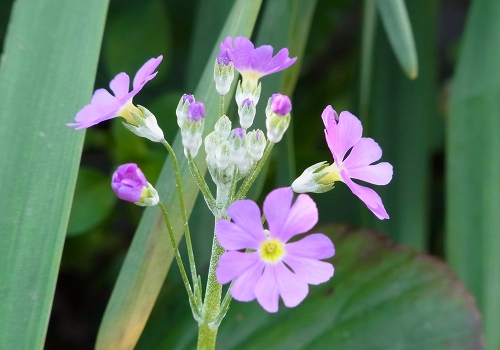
x,y
192,300
202,184
207,331
187,233
221,105
249,180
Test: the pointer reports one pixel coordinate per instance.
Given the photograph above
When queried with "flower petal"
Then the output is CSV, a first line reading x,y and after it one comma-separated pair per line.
x,y
292,287
280,61
120,85
267,290
329,116
246,214
233,237
367,195
314,246
302,217
343,135
242,53
312,271
365,152
145,73
261,58
276,207
377,174
243,288
234,264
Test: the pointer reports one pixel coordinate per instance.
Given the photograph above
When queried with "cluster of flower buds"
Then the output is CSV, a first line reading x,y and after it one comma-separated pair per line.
x,y
232,152
191,120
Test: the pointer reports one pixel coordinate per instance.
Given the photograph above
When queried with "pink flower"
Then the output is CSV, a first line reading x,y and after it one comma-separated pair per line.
x,y
130,184
274,267
343,133
254,63
105,106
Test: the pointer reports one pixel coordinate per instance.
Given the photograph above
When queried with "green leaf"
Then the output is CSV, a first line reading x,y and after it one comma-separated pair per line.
x,y
150,255
403,120
47,73
398,28
473,164
93,201
382,296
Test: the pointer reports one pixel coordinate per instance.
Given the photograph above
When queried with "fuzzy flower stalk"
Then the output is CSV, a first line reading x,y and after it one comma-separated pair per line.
x,y
274,267
343,133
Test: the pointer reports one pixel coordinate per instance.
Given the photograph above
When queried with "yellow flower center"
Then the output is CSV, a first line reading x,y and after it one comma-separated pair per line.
x,y
333,174
251,78
272,250
126,112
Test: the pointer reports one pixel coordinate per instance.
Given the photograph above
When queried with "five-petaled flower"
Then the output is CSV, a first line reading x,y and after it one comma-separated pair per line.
x,y
274,266
105,106
254,63
343,133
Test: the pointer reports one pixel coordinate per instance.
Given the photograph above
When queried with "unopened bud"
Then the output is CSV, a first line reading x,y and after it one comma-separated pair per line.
x,y
182,108
277,117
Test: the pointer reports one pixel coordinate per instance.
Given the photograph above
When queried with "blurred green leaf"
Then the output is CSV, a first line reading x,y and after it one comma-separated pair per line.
x,y
398,28
382,296
138,32
150,255
92,203
47,72
403,120
473,164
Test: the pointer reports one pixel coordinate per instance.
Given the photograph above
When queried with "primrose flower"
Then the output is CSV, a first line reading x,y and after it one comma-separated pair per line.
x,y
105,106
254,63
343,133
130,184
274,267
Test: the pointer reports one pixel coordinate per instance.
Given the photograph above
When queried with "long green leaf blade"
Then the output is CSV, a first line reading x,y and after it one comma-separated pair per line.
x,y
47,72
398,28
150,255
473,164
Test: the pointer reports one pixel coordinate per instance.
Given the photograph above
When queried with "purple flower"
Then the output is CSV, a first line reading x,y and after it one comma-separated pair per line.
x,y
225,56
280,104
196,111
275,267
254,63
342,134
128,182
188,98
105,106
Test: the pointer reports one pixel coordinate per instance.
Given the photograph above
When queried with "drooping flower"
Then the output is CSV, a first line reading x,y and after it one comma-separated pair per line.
x,y
130,184
343,133
105,106
274,267
254,63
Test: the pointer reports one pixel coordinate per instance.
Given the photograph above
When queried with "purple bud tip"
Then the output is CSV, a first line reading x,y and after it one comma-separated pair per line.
x,y
247,103
196,111
280,104
188,98
258,134
238,132
224,57
128,182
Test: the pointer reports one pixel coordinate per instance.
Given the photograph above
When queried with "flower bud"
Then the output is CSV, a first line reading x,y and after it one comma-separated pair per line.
x,y
222,155
192,128
312,180
130,184
182,108
246,113
245,165
278,116
224,71
237,146
244,93
212,141
256,144
223,127
145,125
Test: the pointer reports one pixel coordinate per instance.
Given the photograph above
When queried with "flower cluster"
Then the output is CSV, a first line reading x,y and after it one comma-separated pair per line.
x,y
275,266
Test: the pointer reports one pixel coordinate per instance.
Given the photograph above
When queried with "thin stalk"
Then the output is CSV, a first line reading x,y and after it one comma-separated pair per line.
x,y
183,210
223,308
221,106
249,180
202,184
192,300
